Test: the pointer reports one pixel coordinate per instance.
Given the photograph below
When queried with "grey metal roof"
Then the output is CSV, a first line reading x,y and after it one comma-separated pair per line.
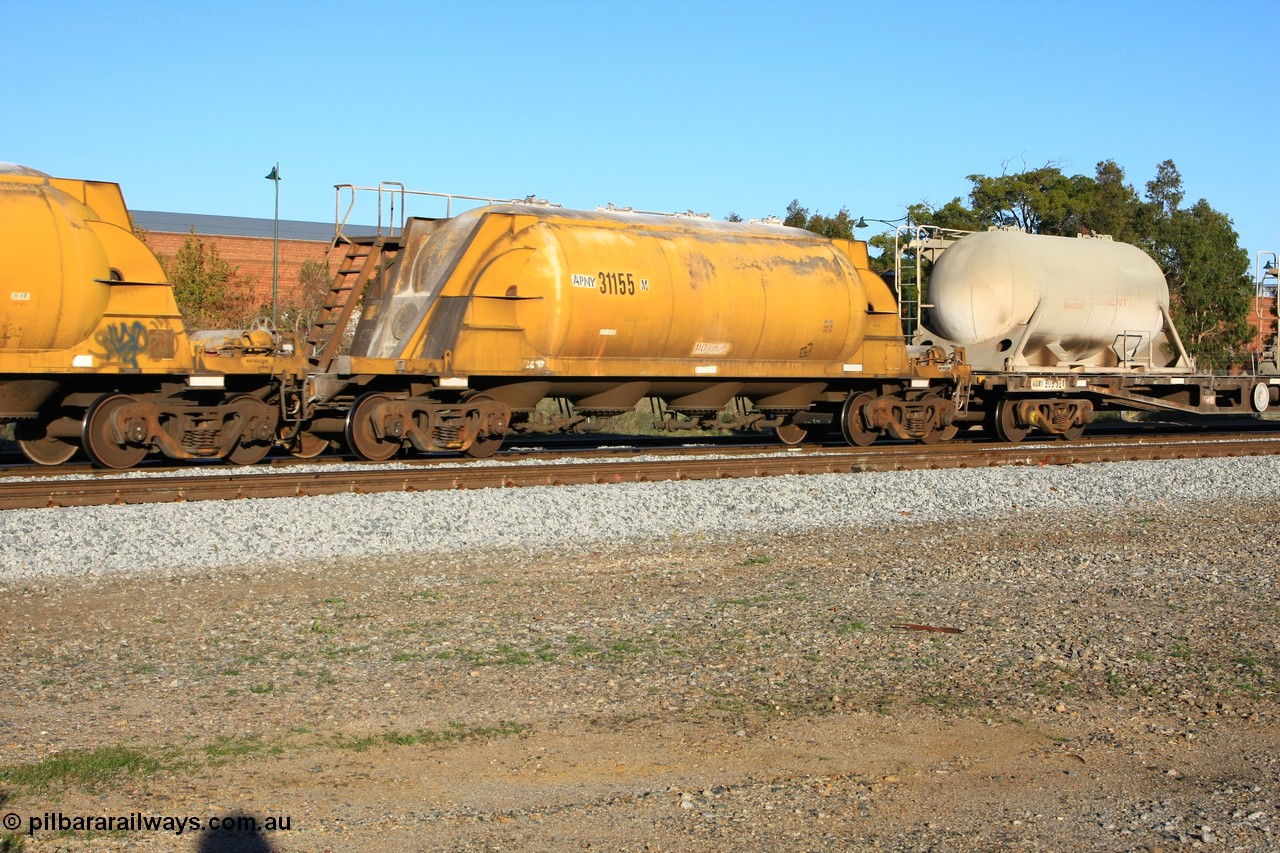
x,y
241,226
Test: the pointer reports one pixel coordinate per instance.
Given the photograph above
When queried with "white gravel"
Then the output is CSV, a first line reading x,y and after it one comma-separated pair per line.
x,y
179,538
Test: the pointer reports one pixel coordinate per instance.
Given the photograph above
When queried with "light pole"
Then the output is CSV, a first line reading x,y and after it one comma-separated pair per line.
x,y
274,177
862,221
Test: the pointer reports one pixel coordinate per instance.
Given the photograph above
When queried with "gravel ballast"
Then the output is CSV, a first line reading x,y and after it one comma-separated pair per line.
x,y
203,535
1053,658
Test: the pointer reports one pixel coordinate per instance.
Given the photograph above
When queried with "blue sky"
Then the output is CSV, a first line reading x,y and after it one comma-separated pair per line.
x,y
660,105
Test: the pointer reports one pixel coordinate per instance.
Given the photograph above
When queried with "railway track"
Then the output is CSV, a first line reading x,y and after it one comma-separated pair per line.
x,y
699,463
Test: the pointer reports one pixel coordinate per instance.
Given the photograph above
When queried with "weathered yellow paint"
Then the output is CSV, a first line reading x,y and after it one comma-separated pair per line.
x,y
544,291
79,292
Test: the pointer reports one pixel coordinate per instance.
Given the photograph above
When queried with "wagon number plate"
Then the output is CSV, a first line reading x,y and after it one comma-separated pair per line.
x,y
1044,383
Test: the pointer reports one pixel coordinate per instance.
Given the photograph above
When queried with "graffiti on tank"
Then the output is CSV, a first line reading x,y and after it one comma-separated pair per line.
x,y
122,343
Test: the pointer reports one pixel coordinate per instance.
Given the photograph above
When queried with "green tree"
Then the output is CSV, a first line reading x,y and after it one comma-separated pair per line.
x,y
1207,271
1039,201
1109,205
211,294
839,226
309,297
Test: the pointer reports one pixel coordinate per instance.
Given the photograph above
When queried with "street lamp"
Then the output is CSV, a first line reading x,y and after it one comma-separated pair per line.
x,y
274,177
862,221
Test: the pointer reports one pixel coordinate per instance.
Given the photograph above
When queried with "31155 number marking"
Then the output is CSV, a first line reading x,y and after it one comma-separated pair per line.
x,y
620,283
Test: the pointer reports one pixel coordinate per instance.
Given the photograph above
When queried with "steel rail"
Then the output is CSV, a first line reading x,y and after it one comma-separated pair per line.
x,y
695,465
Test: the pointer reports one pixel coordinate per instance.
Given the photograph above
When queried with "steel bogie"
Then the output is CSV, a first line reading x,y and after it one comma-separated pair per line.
x,y
1064,417
379,425
118,430
924,415
1012,419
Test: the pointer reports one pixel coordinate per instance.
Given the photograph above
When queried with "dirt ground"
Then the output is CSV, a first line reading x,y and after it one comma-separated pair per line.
x,y
1101,682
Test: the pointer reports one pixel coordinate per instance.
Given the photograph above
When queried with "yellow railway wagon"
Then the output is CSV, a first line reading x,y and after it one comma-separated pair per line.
x,y
472,320
93,350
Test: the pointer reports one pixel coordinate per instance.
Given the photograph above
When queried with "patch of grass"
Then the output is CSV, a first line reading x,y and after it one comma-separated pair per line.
x,y
1246,660
408,657
944,701
227,747
80,767
9,842
422,595
342,651
261,689
509,655
1117,684
757,560
846,628
453,733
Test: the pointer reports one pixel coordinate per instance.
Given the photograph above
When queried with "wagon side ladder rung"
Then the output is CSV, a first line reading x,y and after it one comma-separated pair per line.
x,y
363,259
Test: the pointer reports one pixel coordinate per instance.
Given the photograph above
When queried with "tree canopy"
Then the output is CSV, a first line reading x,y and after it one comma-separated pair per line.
x,y
210,293
1196,247
839,226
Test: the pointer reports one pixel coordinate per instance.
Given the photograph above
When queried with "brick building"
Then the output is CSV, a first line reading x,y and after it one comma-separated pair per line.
x,y
246,244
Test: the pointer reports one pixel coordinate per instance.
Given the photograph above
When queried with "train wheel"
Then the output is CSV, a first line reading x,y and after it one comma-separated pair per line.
x,y
1073,433
360,435
40,447
790,434
486,444
249,454
851,421
934,436
99,437
1006,426
308,446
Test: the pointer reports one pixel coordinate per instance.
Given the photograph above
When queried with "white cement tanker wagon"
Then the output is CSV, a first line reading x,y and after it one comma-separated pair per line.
x,y
1018,301
1056,328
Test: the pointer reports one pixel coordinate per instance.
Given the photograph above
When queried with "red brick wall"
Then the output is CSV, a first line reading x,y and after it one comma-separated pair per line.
x,y
251,258
1266,306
